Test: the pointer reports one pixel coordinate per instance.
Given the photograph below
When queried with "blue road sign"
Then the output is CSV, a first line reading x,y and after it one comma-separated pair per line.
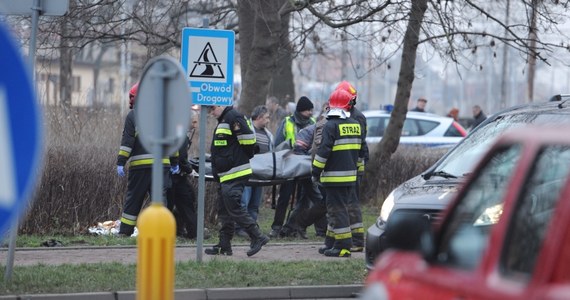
x,y
20,132
208,57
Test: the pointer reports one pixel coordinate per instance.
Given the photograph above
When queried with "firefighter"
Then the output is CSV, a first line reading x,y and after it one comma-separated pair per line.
x,y
354,212
140,170
181,196
232,146
335,167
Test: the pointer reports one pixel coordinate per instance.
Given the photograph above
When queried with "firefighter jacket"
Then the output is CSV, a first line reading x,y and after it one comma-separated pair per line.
x,y
337,157
133,151
232,146
359,116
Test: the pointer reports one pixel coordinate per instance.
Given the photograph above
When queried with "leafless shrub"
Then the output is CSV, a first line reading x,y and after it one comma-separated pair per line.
x,y
78,185
407,162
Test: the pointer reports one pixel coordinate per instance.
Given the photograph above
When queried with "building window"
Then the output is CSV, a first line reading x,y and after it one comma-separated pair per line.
x,y
111,86
76,87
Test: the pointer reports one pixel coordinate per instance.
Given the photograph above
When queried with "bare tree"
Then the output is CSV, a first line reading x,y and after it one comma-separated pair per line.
x,y
391,139
455,29
282,85
532,36
260,60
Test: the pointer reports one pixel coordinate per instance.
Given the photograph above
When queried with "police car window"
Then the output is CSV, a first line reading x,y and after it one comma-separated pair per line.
x,y
426,126
534,211
410,128
452,131
375,126
466,233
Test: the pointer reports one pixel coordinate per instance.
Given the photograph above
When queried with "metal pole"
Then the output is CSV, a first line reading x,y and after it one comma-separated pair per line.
x,y
158,147
201,172
36,10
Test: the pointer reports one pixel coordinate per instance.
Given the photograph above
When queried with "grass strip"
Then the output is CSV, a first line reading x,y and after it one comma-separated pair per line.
x,y
217,273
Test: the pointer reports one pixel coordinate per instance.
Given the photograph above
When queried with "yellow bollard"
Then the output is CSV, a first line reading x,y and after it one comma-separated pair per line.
x,y
155,261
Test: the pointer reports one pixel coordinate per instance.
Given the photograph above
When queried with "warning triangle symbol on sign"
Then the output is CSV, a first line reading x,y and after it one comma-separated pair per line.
x,y
207,66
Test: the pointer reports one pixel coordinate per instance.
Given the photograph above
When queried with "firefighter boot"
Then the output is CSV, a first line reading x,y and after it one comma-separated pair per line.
x,y
258,240
224,247
219,250
334,252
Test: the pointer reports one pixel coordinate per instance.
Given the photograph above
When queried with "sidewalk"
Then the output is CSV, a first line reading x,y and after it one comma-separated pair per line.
x,y
128,254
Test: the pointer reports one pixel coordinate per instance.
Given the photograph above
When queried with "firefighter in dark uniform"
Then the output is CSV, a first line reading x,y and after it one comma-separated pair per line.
x,y
335,167
140,170
354,212
181,196
232,146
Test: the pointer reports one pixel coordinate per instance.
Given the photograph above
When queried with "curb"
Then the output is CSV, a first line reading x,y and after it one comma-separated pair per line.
x,y
292,292
276,244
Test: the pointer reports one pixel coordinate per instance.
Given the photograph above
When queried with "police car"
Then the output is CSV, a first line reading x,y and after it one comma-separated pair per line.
x,y
420,129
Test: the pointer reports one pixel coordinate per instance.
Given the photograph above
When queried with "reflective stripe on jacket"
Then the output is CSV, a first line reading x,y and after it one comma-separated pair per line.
x,y
232,146
132,150
337,157
288,130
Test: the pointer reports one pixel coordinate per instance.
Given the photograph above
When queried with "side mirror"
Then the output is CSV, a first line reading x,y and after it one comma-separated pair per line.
x,y
409,231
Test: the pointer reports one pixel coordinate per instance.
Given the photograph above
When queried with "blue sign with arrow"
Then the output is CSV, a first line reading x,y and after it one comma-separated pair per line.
x,y
20,133
207,55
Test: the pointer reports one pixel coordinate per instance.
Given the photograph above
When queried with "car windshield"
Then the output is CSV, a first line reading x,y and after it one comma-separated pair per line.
x,y
463,158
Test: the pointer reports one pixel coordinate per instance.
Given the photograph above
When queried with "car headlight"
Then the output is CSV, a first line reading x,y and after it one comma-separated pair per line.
x,y
387,207
490,216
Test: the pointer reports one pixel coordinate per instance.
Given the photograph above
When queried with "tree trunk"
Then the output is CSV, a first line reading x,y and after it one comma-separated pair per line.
x,y
391,138
260,65
532,36
96,71
504,70
66,60
282,83
246,17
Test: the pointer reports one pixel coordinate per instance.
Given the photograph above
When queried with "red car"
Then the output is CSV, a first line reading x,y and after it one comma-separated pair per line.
x,y
506,235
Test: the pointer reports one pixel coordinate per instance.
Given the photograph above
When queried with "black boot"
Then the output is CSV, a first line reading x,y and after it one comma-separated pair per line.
x,y
219,250
257,244
334,252
258,239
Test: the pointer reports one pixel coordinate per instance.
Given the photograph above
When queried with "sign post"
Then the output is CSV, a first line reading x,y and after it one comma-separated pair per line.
x,y
207,55
20,138
33,8
162,116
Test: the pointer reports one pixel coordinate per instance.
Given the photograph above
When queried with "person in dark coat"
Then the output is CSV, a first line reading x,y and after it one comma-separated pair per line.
x,y
420,105
478,116
233,145
139,177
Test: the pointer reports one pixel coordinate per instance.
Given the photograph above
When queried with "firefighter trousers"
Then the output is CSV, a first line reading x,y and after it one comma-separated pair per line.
x,y
231,212
138,186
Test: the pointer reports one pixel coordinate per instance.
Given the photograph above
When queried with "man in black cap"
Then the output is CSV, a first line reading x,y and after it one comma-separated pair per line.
x,y
420,105
286,133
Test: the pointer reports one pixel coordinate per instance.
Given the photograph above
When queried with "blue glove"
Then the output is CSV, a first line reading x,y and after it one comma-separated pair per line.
x,y
121,171
175,170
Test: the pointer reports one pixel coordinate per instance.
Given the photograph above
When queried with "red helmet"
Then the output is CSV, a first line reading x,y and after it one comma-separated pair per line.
x,y
346,86
340,103
340,99
133,94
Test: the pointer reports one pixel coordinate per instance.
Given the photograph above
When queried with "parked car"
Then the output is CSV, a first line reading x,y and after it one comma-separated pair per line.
x,y
420,129
504,236
427,194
